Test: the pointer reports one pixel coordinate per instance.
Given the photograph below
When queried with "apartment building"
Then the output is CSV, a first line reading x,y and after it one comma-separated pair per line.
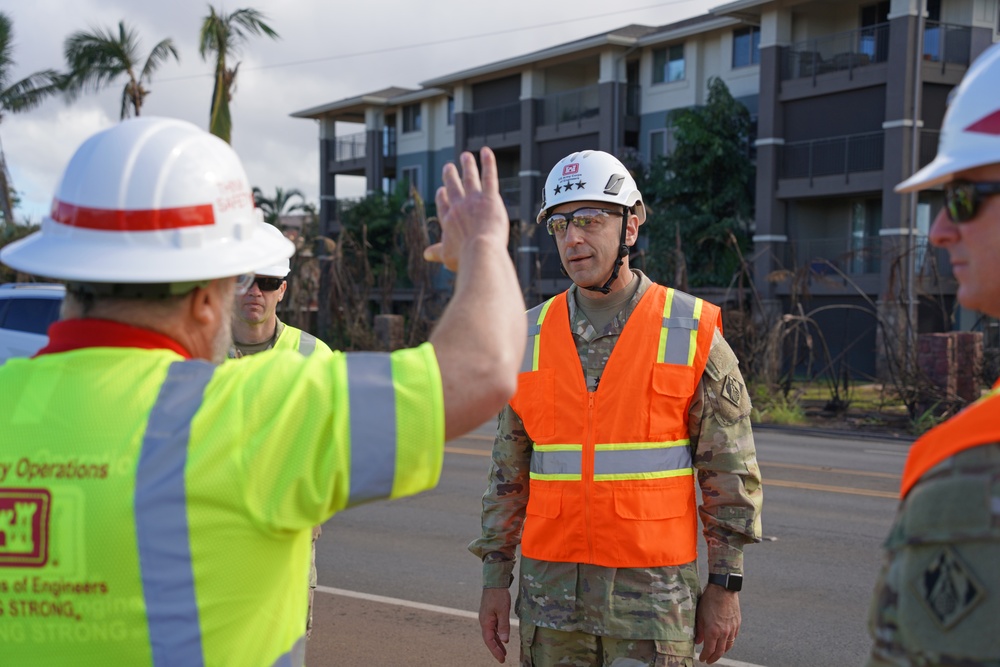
x,y
847,96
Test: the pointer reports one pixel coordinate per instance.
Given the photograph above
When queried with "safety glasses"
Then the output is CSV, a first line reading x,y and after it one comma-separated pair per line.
x,y
243,283
557,223
962,198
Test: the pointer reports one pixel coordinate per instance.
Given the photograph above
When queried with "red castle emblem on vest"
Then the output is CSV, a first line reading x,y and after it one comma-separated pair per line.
x,y
24,527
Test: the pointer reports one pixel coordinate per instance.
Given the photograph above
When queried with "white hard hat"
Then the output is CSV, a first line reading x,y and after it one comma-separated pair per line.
x,y
591,176
970,133
275,269
150,200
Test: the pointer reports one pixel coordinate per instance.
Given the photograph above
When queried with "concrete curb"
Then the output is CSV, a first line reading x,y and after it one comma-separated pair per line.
x,y
906,440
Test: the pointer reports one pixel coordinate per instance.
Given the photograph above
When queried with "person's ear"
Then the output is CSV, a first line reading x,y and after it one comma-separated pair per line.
x,y
204,303
632,229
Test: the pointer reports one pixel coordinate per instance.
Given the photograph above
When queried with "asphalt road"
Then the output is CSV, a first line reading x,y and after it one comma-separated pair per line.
x,y
398,586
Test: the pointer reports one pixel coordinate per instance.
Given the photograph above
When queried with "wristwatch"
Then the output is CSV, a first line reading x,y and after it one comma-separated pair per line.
x,y
731,582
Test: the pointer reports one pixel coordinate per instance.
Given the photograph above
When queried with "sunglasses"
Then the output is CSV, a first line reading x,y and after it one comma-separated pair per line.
x,y
962,198
267,284
557,223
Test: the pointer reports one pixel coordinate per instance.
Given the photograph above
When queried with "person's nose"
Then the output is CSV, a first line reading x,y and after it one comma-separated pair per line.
x,y
254,290
574,235
943,231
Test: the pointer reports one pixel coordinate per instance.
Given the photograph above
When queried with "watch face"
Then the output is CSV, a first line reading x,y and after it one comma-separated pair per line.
x,y
731,582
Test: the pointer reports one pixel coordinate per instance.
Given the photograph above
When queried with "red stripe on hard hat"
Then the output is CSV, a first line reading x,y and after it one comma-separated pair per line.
x,y
987,125
132,221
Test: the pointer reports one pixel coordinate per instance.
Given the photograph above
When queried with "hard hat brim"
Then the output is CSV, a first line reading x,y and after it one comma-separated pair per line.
x,y
84,256
940,170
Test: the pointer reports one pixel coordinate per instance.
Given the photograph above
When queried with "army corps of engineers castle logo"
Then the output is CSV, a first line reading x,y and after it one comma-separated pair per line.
x,y
24,527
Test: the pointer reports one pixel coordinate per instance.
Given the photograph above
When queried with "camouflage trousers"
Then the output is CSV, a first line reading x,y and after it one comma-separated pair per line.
x,y
937,600
544,647
317,531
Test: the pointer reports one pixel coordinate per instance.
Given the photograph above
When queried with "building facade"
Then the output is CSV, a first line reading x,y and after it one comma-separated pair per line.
x,y
847,97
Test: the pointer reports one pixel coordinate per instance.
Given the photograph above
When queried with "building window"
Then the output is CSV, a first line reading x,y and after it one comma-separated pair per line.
x,y
411,176
661,143
746,47
668,64
411,118
866,220
451,111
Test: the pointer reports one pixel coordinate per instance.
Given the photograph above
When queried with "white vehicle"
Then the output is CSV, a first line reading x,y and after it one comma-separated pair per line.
x,y
26,311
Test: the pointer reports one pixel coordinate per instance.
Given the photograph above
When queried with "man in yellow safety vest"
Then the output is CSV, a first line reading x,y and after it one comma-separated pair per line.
x,y
256,326
151,513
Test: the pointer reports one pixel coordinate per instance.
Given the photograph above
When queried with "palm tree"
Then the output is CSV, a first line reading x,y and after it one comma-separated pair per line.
x,y
281,204
223,34
99,57
16,97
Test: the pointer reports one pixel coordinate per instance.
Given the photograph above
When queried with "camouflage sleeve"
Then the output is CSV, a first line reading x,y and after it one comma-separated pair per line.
x,y
726,460
504,501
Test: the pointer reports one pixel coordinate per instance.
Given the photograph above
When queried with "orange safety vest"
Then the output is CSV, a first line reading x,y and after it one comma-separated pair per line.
x,y
611,479
976,425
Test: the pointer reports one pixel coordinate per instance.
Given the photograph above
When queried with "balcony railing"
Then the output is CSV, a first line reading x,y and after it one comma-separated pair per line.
x,y
928,146
571,106
496,120
834,53
852,255
349,147
510,191
835,155
947,43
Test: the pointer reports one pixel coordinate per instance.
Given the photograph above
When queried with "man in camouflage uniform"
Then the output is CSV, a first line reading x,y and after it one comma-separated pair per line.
x,y
584,614
937,600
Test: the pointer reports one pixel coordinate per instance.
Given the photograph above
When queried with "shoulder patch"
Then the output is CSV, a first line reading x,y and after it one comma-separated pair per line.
x,y
947,588
732,390
721,359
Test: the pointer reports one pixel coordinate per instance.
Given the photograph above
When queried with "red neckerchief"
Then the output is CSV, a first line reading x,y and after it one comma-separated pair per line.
x,y
76,334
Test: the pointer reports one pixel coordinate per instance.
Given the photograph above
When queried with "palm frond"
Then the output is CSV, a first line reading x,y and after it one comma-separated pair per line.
x,y
6,47
29,92
252,21
158,56
99,57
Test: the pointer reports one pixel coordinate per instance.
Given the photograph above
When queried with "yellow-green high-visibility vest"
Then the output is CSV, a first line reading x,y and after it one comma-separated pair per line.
x,y
157,511
301,341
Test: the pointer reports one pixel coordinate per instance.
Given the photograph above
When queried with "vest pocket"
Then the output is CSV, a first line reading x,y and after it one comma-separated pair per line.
x,y
535,402
671,499
544,501
672,388
654,525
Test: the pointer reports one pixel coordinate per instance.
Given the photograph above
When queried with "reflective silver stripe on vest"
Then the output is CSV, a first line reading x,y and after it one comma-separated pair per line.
x,y
296,657
638,461
307,343
161,518
372,399
534,330
558,462
679,325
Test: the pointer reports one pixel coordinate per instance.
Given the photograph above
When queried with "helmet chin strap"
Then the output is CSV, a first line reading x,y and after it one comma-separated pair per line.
x,y
622,254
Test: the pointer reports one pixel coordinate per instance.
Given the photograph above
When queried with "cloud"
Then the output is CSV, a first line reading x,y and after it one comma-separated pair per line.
x,y
328,51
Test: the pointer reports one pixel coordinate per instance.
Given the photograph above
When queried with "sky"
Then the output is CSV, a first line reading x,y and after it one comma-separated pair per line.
x,y
328,51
